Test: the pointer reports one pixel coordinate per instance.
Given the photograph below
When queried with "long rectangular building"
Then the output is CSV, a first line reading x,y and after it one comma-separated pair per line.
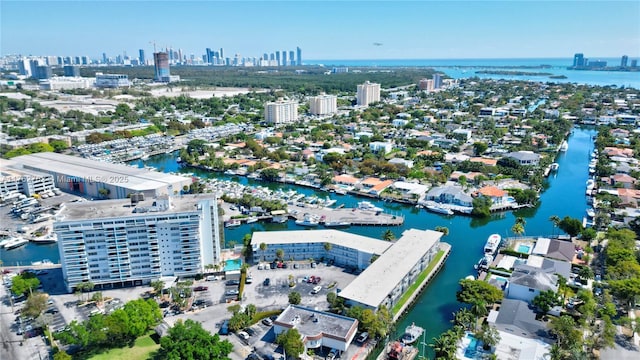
x,y
100,179
132,242
343,248
23,181
387,278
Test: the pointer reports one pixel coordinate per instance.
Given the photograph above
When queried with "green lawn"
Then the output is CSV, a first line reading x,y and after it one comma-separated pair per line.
x,y
418,281
143,349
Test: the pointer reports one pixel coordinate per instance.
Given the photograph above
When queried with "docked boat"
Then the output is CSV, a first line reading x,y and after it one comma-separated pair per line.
x,y
43,262
232,223
341,191
493,242
337,224
555,167
367,206
279,219
47,239
591,212
484,263
436,208
308,221
15,243
564,146
411,334
251,220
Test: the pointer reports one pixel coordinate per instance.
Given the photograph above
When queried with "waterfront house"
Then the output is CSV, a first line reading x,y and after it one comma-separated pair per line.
x,y
374,185
524,158
345,179
485,161
622,152
452,195
519,318
623,181
555,249
497,196
410,190
527,282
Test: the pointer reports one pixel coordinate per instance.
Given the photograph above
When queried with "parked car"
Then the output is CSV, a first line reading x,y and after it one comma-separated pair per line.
x,y
253,356
248,280
232,292
332,354
316,280
266,282
362,337
267,321
224,328
200,288
316,289
232,282
243,335
250,331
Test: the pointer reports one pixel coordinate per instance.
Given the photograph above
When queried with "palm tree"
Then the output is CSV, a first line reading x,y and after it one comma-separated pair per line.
x,y
556,353
517,229
488,335
263,248
442,229
479,309
463,317
280,254
555,220
388,235
445,346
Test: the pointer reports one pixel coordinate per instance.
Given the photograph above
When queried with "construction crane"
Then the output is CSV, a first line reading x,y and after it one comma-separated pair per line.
x,y
153,42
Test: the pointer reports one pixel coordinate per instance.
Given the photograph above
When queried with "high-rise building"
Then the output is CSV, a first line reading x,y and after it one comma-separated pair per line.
x,y
209,56
368,93
76,60
299,56
281,112
292,58
141,57
624,60
33,66
111,80
278,58
42,72
425,84
135,241
85,60
437,81
71,70
323,104
284,58
634,63
578,60
104,58
161,67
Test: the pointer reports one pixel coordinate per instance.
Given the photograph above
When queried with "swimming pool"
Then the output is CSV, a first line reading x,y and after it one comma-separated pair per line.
x,y
470,352
525,249
233,264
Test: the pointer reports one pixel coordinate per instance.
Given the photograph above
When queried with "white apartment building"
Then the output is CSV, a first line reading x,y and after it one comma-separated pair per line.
x,y
323,104
368,93
24,182
132,242
111,80
67,83
281,112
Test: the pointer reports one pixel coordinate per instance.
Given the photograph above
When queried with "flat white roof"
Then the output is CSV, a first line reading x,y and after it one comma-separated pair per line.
x,y
334,237
380,278
114,174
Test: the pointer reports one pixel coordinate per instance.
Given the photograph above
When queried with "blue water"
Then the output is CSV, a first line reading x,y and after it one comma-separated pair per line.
x,y
232,264
470,351
467,236
524,249
465,68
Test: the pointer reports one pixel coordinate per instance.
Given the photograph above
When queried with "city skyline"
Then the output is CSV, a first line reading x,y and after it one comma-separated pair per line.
x,y
325,30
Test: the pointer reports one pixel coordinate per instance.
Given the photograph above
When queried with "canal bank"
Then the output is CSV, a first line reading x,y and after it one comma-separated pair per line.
x,y
433,308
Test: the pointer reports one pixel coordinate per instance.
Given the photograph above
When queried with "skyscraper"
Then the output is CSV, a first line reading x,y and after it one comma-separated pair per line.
x,y
578,60
624,60
141,57
221,53
437,81
161,66
284,58
281,112
368,93
209,56
104,58
323,104
278,57
292,58
71,70
299,56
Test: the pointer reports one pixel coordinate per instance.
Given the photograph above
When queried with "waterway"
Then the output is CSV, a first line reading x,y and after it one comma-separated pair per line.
x,y
433,310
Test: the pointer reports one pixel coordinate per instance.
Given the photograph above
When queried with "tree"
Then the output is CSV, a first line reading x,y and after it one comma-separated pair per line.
x,y
489,336
294,298
35,305
270,174
517,229
555,220
473,291
188,340
571,226
291,342
443,229
280,254
479,148
481,206
565,328
62,355
157,286
263,248
464,318
585,273
327,246
24,283
546,300
445,345
388,235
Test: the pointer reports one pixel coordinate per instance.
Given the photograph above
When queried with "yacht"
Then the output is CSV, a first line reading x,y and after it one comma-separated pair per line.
x,y
337,224
564,146
251,220
232,223
437,208
47,239
368,206
341,191
591,212
411,334
15,243
308,221
493,242
555,167
279,219
484,263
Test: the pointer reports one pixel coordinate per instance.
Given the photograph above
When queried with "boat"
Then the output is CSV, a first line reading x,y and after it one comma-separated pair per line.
x,y
484,263
341,191
337,224
251,220
591,212
232,223
397,351
308,221
367,206
15,243
411,334
493,242
555,166
564,146
436,208
47,239
279,219
43,262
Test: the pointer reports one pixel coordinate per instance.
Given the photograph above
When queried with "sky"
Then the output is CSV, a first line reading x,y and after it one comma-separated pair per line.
x,y
324,29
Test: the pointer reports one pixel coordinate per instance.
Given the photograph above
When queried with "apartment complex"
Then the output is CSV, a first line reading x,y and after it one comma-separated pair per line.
x,y
281,112
323,104
134,241
368,93
111,80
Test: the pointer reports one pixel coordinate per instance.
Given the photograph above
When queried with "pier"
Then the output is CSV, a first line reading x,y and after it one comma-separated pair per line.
x,y
355,217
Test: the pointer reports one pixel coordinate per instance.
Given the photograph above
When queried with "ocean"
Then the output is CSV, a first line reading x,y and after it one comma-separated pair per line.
x,y
466,68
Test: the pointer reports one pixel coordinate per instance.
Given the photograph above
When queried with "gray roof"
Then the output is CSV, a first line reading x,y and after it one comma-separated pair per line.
x,y
523,155
335,237
561,250
311,323
454,191
534,278
517,313
115,174
378,280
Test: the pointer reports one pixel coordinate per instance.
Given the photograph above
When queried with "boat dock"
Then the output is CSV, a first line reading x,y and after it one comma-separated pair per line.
x,y
394,351
355,217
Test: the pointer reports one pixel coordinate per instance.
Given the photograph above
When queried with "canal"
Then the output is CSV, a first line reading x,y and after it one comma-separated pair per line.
x,y
433,310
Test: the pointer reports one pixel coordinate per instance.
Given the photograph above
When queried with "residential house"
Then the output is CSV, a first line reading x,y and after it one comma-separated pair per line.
x,y
345,179
623,181
519,318
526,283
485,161
379,146
374,186
398,161
453,195
555,249
497,196
410,190
525,158
622,152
